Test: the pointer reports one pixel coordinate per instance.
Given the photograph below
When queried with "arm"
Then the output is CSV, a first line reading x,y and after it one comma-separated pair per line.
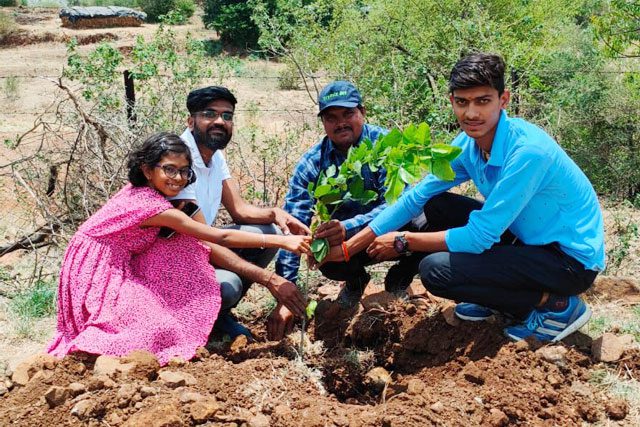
x,y
524,172
287,294
177,220
243,212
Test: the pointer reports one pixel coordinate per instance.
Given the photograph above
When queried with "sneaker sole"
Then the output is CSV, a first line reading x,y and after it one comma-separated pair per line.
x,y
577,324
471,318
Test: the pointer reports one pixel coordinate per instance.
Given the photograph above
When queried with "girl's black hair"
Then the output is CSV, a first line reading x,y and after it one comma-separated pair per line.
x,y
152,150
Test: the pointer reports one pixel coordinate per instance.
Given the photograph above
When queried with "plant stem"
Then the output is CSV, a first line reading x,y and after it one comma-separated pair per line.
x,y
304,317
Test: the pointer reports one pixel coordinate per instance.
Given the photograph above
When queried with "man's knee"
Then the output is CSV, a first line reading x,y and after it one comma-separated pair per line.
x,y
231,288
435,272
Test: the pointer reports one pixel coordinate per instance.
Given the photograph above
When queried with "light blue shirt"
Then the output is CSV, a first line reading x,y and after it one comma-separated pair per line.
x,y
531,187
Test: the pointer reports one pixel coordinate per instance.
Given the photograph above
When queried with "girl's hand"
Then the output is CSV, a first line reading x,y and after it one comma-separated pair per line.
x,y
297,244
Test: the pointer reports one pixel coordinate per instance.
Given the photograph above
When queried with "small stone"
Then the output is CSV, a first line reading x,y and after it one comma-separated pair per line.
x,y
473,374
380,301
125,394
410,309
138,405
415,386
617,409
76,389
147,391
176,379
56,396
521,346
113,419
378,378
86,409
240,342
609,347
3,390
203,410
111,366
190,396
437,407
145,364
259,420
449,315
28,368
45,377
553,354
176,362
497,418
164,415
201,353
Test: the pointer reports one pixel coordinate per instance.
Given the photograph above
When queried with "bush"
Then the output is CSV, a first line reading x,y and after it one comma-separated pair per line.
x,y
156,8
8,3
7,25
232,20
186,8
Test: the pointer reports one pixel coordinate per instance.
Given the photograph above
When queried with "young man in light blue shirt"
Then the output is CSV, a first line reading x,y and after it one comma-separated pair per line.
x,y
535,243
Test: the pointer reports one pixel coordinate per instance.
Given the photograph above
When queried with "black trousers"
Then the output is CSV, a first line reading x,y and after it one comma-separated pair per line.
x,y
510,276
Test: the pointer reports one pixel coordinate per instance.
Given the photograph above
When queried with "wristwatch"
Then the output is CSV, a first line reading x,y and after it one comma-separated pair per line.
x,y
401,245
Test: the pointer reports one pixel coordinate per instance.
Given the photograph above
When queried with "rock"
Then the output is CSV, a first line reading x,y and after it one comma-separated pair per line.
x,y
449,315
201,353
617,409
473,374
164,415
147,391
176,362
521,346
176,379
45,377
381,301
113,419
325,291
588,412
437,407
240,342
190,396
28,368
416,288
415,386
76,389
609,347
56,396
554,354
145,364
111,367
259,420
378,378
88,408
203,410
125,394
497,418
3,390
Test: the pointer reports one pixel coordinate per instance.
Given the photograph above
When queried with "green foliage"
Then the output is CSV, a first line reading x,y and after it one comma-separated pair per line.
x,y
626,231
232,20
406,156
8,3
561,78
156,8
311,308
180,14
36,302
11,87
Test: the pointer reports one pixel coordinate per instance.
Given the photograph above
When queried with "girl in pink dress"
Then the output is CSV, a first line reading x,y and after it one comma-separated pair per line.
x,y
116,295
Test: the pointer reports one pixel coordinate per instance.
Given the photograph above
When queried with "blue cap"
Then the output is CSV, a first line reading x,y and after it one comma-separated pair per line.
x,y
339,94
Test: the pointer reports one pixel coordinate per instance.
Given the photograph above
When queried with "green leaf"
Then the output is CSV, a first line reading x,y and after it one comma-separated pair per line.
x,y
320,249
423,134
321,190
389,140
407,176
442,169
311,308
445,151
395,186
331,171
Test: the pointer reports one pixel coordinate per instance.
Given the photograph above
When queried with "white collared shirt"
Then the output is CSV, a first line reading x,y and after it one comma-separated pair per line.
x,y
207,190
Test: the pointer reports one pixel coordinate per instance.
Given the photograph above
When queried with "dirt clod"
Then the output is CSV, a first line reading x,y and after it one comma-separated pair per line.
x,y
163,415
617,409
497,418
56,396
203,410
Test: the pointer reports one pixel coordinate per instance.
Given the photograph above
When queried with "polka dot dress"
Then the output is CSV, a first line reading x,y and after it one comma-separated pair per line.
x,y
122,288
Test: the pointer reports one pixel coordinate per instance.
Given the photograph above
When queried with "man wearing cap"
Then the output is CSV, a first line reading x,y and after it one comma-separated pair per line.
x,y
343,118
210,128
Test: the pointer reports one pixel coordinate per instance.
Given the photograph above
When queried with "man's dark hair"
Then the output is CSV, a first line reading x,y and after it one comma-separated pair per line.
x,y
152,150
198,99
478,69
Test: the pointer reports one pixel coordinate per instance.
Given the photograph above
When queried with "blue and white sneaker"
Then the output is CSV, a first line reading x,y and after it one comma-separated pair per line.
x,y
473,312
552,326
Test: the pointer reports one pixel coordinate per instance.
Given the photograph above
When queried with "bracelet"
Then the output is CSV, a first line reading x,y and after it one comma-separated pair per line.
x,y
345,252
264,242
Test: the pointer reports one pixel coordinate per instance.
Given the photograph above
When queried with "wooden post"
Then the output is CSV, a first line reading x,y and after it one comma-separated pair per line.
x,y
130,94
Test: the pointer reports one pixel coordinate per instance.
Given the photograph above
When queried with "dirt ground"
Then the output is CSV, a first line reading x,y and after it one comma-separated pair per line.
x,y
387,362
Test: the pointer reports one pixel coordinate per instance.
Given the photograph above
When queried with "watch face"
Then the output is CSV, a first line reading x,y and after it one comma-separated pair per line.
x,y
400,244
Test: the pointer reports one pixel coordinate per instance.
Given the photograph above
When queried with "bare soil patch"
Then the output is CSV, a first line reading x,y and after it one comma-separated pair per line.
x,y
440,374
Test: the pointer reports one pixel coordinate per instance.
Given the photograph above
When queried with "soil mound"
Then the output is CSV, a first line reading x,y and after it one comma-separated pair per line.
x,y
395,363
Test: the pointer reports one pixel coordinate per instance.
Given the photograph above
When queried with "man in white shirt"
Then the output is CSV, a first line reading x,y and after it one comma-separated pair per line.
x,y
210,128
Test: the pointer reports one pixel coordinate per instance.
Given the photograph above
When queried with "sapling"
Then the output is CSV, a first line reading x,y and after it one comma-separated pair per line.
x,y
406,156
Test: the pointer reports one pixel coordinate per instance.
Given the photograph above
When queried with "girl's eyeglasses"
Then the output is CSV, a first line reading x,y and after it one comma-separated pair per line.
x,y
172,171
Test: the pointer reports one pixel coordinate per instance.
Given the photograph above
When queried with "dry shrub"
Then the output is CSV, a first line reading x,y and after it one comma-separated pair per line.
x,y
7,26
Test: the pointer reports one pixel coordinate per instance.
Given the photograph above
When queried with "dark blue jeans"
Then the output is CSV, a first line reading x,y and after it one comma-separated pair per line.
x,y
510,276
